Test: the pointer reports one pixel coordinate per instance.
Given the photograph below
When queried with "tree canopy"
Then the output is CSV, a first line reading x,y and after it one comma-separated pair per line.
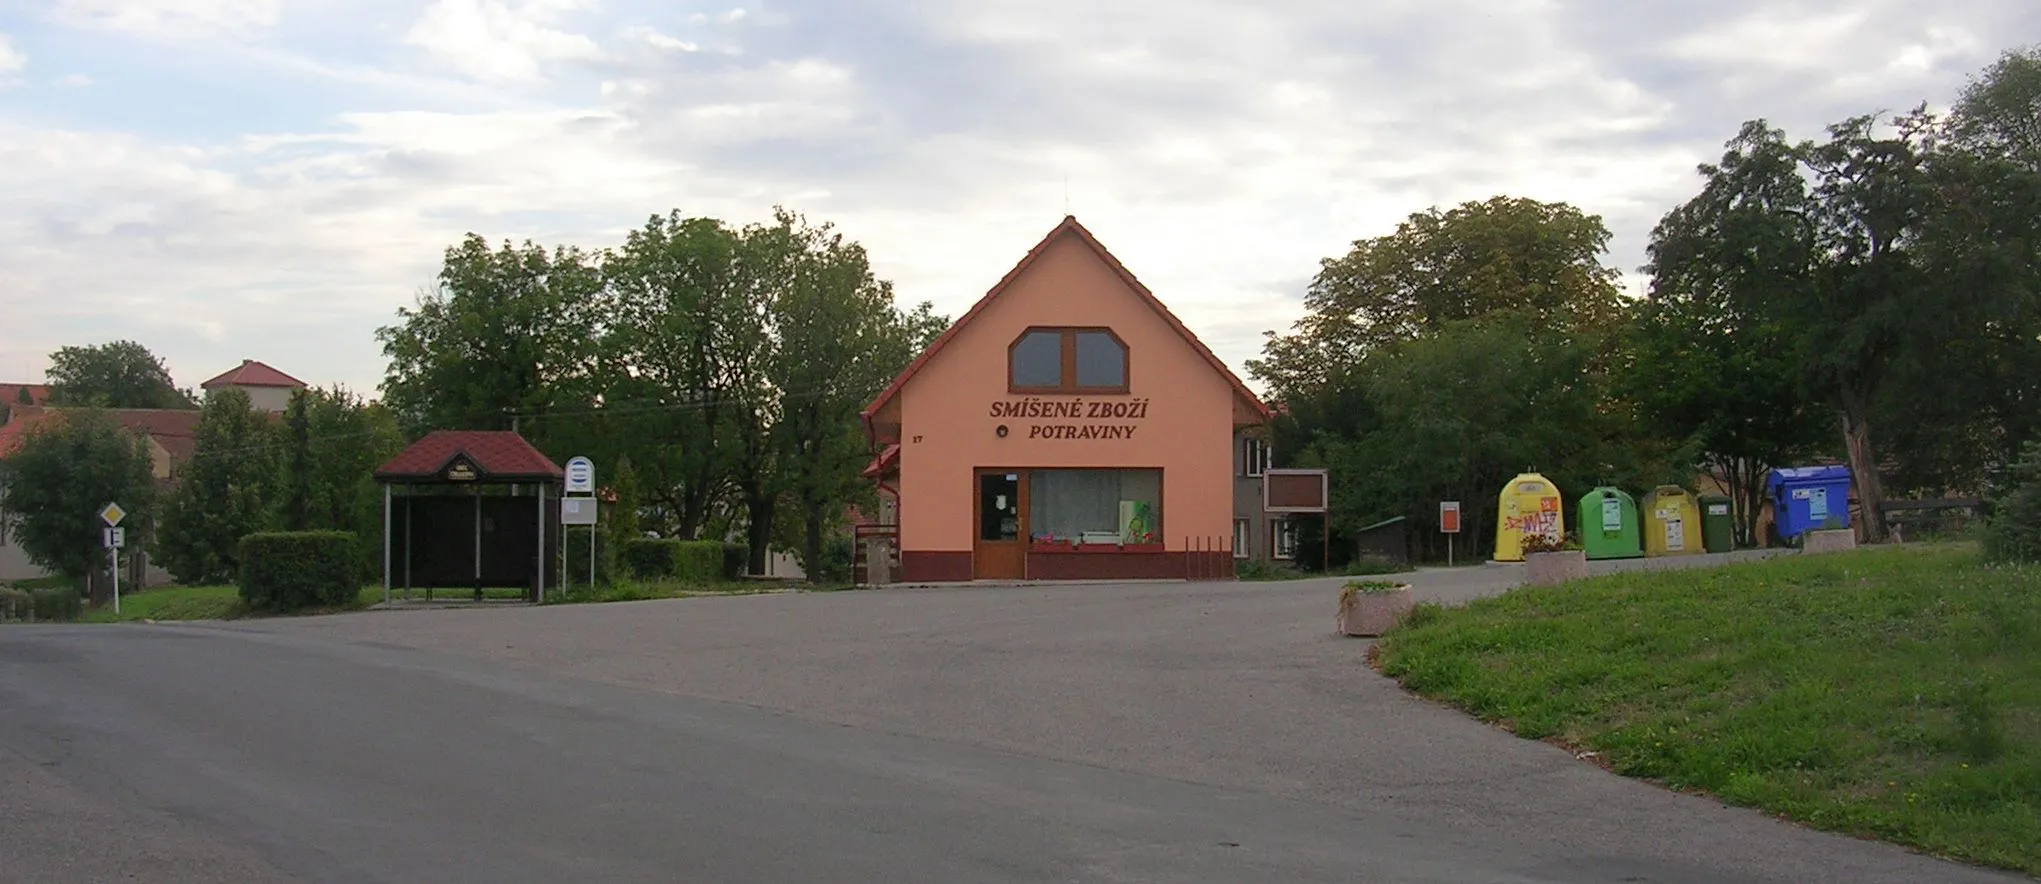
x,y
121,374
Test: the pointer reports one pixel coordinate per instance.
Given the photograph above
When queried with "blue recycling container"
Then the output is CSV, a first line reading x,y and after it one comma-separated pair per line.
x,y
1809,498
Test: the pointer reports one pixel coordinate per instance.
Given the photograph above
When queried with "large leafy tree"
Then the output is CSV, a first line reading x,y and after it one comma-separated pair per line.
x,y
65,471
839,340
1505,253
498,345
332,442
223,492
1439,360
1971,396
120,374
1716,365
678,362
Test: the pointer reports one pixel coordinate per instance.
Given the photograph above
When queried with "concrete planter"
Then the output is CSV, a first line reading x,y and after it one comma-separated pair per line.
x,y
1371,614
1829,540
1545,568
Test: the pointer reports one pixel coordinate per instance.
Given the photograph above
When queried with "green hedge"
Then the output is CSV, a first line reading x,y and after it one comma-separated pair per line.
x,y
56,603
15,604
574,549
289,570
686,561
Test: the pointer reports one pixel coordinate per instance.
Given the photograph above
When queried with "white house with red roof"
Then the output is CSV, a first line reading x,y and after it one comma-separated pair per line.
x,y
268,389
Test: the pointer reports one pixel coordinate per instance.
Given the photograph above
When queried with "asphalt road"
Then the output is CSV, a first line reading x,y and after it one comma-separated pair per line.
x,y
1213,732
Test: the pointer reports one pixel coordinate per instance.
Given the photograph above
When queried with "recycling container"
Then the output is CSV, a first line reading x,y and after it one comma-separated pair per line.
x,y
1609,528
1718,525
1528,505
1672,523
1809,498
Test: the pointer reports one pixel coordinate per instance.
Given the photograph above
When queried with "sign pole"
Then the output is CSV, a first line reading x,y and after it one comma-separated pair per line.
x,y
113,564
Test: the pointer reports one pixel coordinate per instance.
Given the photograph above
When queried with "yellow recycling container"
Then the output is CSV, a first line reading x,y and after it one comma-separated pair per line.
x,y
1529,505
1672,523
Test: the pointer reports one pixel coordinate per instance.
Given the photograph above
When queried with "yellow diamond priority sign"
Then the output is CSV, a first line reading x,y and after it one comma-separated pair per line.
x,y
112,514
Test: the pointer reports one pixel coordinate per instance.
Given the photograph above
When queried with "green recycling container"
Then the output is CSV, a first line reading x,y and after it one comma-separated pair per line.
x,y
1609,528
1718,527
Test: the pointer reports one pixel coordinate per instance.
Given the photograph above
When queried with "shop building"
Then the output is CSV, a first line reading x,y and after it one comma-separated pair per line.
x,y
1068,426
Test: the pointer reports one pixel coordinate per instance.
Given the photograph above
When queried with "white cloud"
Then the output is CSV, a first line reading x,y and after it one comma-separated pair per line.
x,y
496,40
1221,149
170,17
652,37
72,81
11,59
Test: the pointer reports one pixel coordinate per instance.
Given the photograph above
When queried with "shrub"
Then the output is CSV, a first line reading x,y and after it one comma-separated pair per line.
x,y
686,561
2013,531
56,603
574,546
736,560
15,604
290,570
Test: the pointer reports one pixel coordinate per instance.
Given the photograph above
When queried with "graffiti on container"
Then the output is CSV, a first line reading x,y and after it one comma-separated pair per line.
x,y
1546,523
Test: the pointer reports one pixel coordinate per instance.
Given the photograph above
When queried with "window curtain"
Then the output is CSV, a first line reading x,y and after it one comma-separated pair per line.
x,y
1064,504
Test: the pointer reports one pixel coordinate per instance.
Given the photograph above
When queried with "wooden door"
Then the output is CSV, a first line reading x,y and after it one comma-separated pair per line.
x,y
1000,551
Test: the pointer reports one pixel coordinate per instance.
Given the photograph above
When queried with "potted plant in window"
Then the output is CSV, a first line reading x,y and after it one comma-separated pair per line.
x,y
1371,607
1547,561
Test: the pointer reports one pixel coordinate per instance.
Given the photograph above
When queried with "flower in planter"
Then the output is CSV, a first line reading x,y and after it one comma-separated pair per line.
x,y
1539,543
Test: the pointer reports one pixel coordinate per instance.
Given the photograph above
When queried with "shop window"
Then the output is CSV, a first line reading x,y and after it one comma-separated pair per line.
x,y
1282,538
1095,506
1254,456
1067,360
1243,538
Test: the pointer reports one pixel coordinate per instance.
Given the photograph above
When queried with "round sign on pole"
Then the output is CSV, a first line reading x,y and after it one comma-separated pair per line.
x,y
580,476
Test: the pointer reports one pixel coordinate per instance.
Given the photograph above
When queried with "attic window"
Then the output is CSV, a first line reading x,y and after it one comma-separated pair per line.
x,y
1067,360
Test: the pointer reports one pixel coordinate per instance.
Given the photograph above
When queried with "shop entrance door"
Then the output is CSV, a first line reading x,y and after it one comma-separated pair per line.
x,y
1000,552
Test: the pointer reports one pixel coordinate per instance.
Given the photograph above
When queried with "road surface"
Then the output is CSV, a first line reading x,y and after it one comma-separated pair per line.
x,y
1181,733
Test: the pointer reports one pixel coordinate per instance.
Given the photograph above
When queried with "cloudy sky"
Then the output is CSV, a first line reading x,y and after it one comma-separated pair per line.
x,y
272,179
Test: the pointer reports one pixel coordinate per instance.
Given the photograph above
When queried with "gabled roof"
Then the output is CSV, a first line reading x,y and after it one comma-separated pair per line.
x,y
251,373
1069,227
10,394
174,429
498,455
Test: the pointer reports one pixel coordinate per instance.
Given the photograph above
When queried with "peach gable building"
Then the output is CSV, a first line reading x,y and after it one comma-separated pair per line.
x,y
1067,426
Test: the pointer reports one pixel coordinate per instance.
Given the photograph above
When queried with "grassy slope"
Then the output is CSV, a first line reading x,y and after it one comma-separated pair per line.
x,y
1894,693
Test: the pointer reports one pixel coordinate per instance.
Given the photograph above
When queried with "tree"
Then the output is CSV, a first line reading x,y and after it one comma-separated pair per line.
x,y
294,502
345,439
839,341
678,359
496,345
1720,371
67,468
1440,266
1439,360
121,374
223,492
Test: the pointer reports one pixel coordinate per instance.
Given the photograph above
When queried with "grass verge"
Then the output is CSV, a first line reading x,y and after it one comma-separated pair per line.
x,y
224,602
1891,693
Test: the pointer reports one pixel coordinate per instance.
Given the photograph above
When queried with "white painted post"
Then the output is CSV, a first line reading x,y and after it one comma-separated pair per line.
x,y
113,562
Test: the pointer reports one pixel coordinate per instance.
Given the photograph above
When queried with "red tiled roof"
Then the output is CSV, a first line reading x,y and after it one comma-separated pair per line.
x,y
1072,228
174,429
886,463
253,374
499,455
21,419
10,394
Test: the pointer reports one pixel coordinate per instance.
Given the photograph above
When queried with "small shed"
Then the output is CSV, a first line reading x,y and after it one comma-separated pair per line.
x,y
447,531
